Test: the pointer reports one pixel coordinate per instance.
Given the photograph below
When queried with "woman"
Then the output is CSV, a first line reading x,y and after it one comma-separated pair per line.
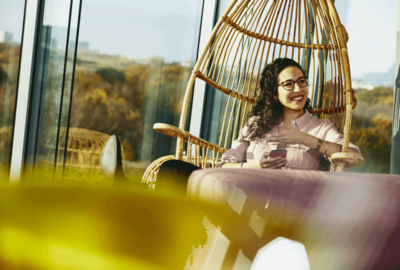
x,y
280,121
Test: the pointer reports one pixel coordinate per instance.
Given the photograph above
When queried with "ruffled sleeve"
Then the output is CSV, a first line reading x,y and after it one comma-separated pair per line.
x,y
239,147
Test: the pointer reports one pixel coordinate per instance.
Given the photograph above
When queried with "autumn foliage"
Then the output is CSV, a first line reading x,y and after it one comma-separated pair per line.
x,y
126,97
128,101
372,128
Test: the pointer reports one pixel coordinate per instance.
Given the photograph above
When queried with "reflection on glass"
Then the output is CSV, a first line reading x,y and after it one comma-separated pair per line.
x,y
133,64
52,84
67,88
11,19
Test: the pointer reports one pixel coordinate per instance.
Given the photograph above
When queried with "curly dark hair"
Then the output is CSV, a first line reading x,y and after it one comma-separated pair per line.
x,y
266,109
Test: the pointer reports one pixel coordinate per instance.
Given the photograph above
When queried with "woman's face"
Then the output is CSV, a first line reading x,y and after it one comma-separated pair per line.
x,y
296,98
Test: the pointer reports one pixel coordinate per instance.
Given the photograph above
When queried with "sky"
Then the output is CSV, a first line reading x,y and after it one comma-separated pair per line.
x,y
142,28
372,27
169,28
11,17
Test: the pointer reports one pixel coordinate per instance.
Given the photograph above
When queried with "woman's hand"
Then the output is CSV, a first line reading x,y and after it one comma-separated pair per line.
x,y
288,134
265,162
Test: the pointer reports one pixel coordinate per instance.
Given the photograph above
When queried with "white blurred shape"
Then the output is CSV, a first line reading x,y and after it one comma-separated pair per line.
x,y
281,254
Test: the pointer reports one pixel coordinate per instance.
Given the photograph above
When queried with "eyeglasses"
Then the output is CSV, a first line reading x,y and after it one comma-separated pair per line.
x,y
289,84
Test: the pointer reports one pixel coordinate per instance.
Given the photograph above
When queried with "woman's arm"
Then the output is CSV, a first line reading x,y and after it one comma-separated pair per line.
x,y
233,157
327,148
264,162
289,134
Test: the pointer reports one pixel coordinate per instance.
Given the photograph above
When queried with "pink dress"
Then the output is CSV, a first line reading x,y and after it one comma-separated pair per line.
x,y
298,156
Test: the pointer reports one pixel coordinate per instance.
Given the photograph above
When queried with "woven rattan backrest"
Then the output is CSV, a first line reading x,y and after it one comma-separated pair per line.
x,y
252,33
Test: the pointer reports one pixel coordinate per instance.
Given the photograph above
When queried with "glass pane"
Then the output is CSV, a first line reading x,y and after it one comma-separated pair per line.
x,y
52,84
372,49
11,23
67,88
372,30
133,64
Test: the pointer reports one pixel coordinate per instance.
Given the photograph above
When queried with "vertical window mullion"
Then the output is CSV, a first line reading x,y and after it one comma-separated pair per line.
x,y
24,88
72,86
207,24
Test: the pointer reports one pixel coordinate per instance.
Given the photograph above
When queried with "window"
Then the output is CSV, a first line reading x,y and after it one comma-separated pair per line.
x,y
11,18
371,27
133,64
372,48
51,90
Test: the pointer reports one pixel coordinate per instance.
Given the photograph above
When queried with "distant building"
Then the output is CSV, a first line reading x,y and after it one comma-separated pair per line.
x,y
54,37
71,45
5,37
189,64
362,85
83,47
53,43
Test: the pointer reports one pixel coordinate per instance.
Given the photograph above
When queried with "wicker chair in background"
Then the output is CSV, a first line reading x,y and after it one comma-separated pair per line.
x,y
250,34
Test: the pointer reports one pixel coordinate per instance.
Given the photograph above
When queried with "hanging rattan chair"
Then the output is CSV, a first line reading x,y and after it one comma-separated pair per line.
x,y
250,34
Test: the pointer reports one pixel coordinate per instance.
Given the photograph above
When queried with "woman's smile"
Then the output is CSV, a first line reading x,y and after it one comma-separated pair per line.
x,y
298,98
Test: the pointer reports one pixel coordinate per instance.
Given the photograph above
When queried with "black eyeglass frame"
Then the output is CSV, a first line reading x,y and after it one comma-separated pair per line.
x,y
294,83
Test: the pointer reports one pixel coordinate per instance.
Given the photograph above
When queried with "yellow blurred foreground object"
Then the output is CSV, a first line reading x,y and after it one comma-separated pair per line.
x,y
92,227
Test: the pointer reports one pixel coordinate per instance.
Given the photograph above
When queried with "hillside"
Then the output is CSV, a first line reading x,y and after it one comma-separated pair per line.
x,y
372,128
